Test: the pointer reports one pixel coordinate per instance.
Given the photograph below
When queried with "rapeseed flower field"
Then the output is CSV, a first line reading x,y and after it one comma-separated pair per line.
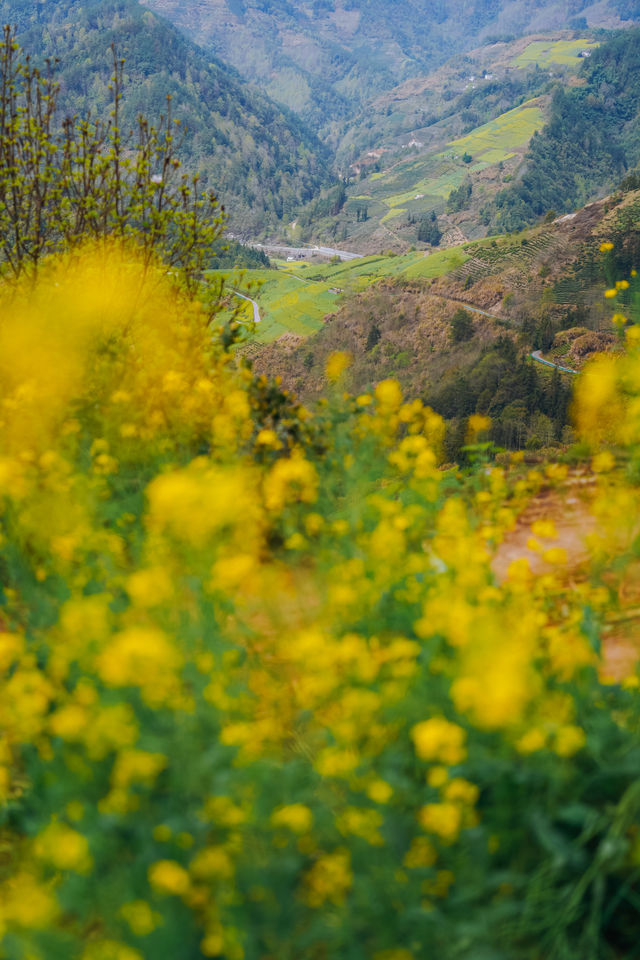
x,y
262,694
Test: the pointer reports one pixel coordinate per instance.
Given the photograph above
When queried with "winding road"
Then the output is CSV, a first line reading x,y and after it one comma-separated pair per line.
x,y
536,355
256,309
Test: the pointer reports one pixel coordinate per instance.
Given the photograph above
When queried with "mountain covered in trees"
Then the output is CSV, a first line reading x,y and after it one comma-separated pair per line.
x,y
260,159
590,142
323,58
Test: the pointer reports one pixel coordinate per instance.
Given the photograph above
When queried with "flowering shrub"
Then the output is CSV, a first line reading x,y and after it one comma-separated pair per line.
x,y
261,692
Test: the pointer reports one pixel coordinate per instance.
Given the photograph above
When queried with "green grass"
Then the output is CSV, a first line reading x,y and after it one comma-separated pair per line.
x,y
495,140
394,212
296,299
437,264
546,53
287,304
437,175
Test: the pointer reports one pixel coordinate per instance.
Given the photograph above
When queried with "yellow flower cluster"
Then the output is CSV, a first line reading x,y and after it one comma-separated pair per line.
x,y
242,678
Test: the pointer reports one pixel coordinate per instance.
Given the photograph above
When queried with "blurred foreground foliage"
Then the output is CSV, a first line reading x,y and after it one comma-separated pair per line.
x,y
67,179
262,694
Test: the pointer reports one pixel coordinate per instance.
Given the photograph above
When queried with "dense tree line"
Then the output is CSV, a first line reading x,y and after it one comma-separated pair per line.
x,y
459,197
527,408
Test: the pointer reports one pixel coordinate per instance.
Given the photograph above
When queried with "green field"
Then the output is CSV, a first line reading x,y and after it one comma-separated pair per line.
x,y
496,140
287,304
297,297
545,53
435,176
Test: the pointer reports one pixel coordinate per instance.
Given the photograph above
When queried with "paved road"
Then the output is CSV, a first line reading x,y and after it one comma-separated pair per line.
x,y
256,308
537,355
300,253
467,306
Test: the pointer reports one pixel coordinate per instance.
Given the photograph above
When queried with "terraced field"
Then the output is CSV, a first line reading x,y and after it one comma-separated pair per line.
x,y
498,139
487,258
546,53
424,182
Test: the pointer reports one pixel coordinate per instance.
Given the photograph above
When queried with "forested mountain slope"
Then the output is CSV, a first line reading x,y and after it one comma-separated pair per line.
x,y
260,159
591,140
324,57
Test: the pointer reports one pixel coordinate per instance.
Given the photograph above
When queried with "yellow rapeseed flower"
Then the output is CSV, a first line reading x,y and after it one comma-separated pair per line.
x,y
168,877
421,853
211,862
568,740
291,480
140,917
531,741
388,396
336,365
442,819
64,848
330,878
379,791
438,739
295,817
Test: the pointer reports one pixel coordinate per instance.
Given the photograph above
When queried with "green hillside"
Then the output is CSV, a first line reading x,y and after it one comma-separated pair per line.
x,y
260,159
464,93
591,140
435,176
297,297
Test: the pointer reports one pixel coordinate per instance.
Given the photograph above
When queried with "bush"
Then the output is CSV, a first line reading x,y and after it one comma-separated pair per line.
x,y
461,326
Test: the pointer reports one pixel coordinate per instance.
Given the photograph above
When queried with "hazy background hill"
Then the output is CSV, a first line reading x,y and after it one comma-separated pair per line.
x,y
325,57
261,159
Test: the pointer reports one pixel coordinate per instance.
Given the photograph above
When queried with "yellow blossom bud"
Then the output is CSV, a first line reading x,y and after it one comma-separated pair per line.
x,y
437,739
295,817
168,877
442,819
336,365
568,740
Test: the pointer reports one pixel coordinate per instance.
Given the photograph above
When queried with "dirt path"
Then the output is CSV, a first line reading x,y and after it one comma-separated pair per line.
x,y
569,510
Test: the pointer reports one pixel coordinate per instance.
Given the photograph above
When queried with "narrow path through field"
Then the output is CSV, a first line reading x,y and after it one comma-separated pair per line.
x,y
570,511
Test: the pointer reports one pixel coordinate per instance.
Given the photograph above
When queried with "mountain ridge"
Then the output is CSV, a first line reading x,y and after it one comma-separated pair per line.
x,y
258,157
325,57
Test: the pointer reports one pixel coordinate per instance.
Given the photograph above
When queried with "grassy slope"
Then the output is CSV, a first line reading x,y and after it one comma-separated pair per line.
x,y
545,54
437,175
296,298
